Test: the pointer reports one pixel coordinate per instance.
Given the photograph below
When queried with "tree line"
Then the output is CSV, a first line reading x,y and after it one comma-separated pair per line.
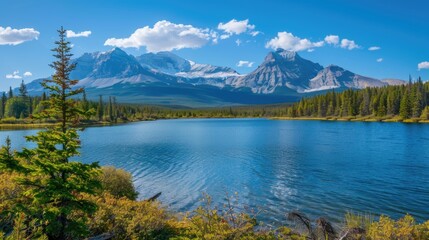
x,y
408,101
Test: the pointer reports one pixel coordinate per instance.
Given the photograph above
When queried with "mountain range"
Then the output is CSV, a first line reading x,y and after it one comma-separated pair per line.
x,y
167,79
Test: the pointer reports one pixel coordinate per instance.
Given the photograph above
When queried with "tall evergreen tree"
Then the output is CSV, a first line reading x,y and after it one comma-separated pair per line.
x,y
55,184
405,106
3,104
110,109
10,93
100,110
23,90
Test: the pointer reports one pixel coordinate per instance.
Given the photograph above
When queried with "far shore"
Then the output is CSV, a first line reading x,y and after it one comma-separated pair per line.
x,y
354,119
32,125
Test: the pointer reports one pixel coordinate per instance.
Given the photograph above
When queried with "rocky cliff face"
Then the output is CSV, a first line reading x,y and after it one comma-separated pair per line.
x,y
336,77
280,69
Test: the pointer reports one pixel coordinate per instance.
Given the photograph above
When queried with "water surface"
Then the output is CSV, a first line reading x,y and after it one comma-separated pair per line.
x,y
319,167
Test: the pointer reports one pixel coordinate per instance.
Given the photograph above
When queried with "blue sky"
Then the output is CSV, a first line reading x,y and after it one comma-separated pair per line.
x,y
328,32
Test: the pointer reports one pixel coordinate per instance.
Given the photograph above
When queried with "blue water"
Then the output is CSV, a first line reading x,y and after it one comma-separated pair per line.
x,y
321,168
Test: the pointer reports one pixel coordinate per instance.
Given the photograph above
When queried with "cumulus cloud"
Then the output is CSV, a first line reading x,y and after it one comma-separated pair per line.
x,y
332,39
379,59
374,48
242,63
28,74
165,36
71,34
14,75
423,65
290,42
236,27
10,36
348,44
344,43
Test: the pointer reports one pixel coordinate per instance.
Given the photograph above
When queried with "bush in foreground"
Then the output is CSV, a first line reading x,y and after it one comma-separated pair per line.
x,y
118,182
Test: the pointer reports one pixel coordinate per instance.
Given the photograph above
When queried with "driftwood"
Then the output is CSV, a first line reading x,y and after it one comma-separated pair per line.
x,y
154,197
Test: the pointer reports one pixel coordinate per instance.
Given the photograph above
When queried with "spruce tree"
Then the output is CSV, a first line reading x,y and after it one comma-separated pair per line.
x,y
3,104
10,92
23,90
55,185
110,109
405,106
100,110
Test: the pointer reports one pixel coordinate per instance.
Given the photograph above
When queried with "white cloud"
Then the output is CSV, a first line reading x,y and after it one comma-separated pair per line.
x,y
224,36
423,65
242,63
14,75
9,36
255,33
344,43
165,36
289,42
349,44
236,27
71,34
238,42
332,39
380,60
374,48
28,74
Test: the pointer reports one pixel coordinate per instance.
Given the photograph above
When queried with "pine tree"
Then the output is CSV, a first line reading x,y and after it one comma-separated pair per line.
x,y
3,104
85,104
110,109
100,110
54,183
404,107
425,114
10,92
23,90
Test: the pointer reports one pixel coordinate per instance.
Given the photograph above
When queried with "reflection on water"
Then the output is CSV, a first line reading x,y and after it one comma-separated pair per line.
x,y
320,168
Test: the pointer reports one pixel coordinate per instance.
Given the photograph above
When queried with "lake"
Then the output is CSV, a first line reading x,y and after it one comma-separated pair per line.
x,y
321,168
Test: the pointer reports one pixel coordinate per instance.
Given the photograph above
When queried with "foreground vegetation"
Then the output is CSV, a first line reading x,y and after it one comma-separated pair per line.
x,y
119,215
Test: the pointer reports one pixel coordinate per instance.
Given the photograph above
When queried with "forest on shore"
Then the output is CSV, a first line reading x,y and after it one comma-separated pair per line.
x,y
402,103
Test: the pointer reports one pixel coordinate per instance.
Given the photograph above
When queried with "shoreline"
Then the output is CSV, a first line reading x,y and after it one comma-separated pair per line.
x,y
352,119
23,126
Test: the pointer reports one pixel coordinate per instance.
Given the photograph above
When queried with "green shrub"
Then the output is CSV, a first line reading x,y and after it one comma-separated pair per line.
x,y
404,228
118,183
128,219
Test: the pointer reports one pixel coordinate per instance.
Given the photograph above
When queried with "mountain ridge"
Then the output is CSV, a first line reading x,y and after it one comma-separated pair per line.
x,y
283,73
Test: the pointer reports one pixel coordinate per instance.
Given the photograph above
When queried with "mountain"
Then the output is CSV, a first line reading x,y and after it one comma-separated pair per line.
x,y
169,63
280,69
115,63
336,77
165,62
167,79
393,82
